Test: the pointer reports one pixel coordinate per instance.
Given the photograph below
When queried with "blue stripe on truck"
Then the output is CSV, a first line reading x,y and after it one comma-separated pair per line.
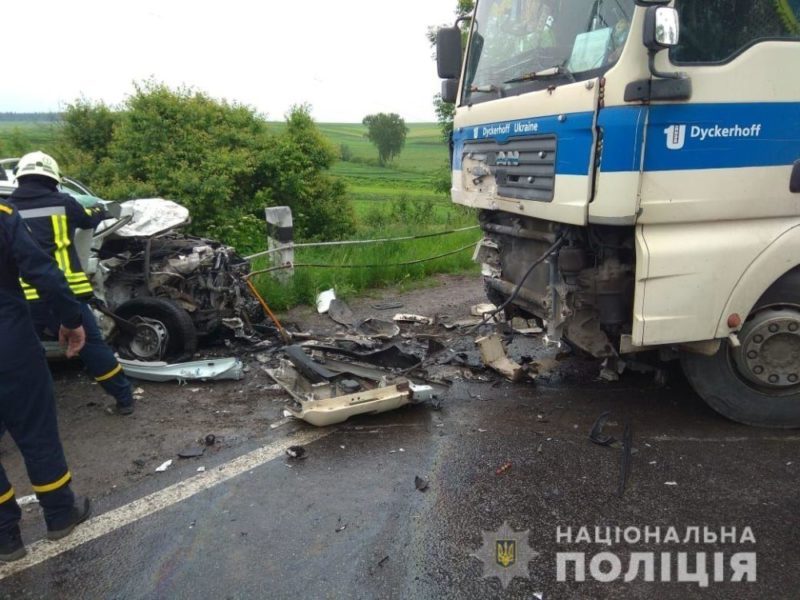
x,y
679,136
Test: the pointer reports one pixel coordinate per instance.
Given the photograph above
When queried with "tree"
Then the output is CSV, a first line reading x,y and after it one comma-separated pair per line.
x,y
388,133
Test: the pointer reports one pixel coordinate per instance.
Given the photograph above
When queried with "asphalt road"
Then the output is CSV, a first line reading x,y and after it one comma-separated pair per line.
x,y
348,521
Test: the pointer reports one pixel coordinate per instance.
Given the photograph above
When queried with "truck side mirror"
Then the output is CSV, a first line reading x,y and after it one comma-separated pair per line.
x,y
450,90
448,52
661,28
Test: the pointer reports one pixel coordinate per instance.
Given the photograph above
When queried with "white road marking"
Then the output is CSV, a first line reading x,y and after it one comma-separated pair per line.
x,y
106,523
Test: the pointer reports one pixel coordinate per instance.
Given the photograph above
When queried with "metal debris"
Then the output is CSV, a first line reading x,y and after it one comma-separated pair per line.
x,y
213,369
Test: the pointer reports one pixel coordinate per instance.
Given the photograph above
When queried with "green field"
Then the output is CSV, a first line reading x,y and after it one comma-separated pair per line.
x,y
396,200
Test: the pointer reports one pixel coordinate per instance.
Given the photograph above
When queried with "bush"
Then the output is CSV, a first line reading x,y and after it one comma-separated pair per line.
x,y
216,158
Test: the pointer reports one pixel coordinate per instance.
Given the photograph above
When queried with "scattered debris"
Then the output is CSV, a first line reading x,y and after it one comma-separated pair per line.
x,y
214,369
377,328
341,528
480,310
324,300
494,356
382,561
670,483
420,483
164,466
201,469
503,468
296,452
138,394
408,318
281,422
387,305
597,436
210,439
341,313
30,499
193,452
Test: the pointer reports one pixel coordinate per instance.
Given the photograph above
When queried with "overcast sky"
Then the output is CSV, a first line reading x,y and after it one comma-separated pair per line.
x,y
347,58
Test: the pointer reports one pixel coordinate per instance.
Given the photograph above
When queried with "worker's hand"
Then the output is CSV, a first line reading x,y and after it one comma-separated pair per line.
x,y
73,339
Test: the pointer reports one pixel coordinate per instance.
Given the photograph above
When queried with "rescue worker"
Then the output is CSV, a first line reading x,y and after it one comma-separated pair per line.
x,y
52,217
27,405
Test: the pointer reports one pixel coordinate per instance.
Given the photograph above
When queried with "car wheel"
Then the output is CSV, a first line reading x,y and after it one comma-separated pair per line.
x,y
757,383
164,331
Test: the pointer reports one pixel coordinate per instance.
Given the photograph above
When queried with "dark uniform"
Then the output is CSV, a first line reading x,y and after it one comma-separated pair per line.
x,y
27,406
52,218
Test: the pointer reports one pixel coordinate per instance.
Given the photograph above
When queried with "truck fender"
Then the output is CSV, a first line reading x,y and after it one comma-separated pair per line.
x,y
775,262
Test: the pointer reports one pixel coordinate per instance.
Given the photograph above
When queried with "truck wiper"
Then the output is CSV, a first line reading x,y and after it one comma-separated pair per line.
x,y
544,74
487,88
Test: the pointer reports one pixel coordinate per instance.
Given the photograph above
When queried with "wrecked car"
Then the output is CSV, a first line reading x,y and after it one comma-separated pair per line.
x,y
160,292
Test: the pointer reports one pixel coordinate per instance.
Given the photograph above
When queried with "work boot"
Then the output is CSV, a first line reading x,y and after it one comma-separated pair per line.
x,y
79,512
11,546
121,409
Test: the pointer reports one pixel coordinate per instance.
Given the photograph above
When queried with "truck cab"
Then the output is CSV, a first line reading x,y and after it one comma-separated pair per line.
x,y
636,166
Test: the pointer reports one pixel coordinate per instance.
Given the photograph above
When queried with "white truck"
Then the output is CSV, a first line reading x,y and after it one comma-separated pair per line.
x,y
636,165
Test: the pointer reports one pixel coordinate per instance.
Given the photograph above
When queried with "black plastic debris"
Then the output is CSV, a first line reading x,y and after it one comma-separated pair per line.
x,y
296,452
210,439
420,483
597,436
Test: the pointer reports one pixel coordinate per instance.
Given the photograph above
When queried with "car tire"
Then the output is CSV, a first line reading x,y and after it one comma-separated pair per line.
x,y
719,380
182,335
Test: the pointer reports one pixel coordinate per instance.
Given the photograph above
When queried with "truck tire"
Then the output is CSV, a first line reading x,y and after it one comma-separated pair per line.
x,y
157,316
759,382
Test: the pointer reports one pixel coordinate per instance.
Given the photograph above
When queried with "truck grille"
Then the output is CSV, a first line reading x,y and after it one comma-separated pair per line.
x,y
524,168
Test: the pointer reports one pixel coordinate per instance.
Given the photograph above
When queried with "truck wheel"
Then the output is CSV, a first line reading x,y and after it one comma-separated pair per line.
x,y
759,382
164,331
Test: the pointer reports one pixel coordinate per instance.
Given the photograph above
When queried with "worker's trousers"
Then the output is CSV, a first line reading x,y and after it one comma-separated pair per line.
x,y
96,355
28,412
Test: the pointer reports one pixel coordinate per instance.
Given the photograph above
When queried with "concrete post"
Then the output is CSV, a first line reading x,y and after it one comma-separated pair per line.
x,y
279,234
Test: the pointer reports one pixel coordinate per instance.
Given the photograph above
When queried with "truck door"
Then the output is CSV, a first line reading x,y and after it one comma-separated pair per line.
x,y
716,170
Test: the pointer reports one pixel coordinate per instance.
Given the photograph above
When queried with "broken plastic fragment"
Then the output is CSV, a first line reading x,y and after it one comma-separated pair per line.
x,y
324,301
164,466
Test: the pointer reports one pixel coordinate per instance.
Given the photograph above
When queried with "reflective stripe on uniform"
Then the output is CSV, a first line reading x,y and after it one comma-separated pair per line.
x,y
77,280
7,496
6,209
50,487
47,211
110,374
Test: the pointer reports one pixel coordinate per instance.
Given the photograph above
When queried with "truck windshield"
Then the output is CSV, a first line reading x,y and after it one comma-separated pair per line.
x,y
521,45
